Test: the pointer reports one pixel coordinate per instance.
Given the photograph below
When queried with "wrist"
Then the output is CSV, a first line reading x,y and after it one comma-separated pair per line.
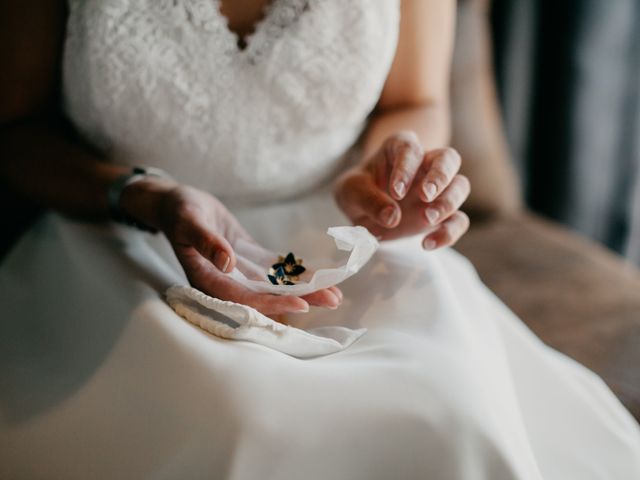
x,y
143,199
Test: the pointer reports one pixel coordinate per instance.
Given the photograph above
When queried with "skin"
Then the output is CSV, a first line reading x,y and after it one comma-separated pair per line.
x,y
408,182
405,172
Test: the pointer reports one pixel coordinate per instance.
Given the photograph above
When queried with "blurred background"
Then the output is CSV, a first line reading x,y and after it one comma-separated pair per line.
x,y
545,99
568,82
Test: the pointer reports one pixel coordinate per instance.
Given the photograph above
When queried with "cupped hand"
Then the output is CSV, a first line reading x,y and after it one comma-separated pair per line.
x,y
403,190
202,231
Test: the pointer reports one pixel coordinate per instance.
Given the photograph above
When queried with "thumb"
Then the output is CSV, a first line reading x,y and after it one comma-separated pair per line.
x,y
211,245
359,196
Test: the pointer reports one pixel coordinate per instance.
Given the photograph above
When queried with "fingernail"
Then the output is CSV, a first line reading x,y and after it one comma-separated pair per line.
x,y
389,215
400,187
430,190
337,300
432,215
221,261
429,244
340,295
305,309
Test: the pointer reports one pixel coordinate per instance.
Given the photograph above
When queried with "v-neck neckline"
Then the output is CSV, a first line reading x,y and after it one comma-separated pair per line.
x,y
243,43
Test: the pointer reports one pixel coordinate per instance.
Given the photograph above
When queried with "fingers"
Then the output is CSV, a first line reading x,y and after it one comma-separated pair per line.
x,y
224,287
281,304
337,292
441,167
358,196
210,245
329,297
448,232
449,201
205,277
274,304
404,153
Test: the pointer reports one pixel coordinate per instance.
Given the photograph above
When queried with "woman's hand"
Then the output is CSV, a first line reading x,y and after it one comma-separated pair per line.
x,y
202,232
403,190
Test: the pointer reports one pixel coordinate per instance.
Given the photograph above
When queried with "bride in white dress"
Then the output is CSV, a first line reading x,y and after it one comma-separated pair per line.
x,y
100,378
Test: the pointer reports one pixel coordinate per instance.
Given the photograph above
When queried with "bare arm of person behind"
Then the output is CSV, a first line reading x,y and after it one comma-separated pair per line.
x,y
43,164
408,182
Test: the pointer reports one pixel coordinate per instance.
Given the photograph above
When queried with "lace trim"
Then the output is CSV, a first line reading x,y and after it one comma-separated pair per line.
x,y
163,82
277,16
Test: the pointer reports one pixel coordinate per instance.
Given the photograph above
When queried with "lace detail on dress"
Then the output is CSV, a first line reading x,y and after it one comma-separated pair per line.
x,y
277,15
163,82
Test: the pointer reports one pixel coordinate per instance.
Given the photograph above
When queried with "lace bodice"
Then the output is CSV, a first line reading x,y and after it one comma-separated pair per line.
x,y
163,83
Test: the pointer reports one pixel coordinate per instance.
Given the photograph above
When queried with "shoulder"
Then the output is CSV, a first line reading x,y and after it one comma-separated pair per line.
x,y
31,38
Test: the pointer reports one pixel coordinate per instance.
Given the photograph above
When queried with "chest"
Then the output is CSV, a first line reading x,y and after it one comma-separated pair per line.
x,y
243,16
166,82
176,65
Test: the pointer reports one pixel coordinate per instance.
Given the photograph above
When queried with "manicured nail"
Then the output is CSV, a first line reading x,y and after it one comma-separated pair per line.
x,y
429,244
337,300
304,309
221,261
389,215
430,190
400,187
432,215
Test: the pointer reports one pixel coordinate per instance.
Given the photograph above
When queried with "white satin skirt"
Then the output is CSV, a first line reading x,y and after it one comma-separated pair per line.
x,y
100,379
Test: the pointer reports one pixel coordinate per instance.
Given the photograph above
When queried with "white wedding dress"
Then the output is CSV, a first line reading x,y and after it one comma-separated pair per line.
x,y
99,378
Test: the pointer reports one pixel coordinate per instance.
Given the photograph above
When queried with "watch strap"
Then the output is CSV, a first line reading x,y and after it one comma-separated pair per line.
x,y
114,195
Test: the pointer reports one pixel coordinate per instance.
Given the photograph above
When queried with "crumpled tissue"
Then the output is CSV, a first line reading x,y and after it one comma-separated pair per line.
x,y
240,322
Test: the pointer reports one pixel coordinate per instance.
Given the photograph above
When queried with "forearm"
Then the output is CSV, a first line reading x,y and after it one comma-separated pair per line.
x,y
430,122
40,164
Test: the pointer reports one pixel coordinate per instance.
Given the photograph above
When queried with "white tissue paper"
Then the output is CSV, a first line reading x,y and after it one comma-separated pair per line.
x,y
240,322
356,240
